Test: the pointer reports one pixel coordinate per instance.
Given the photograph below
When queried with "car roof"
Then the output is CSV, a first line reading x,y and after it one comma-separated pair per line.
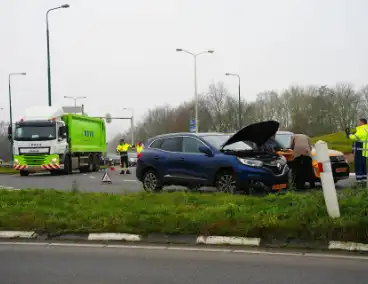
x,y
201,134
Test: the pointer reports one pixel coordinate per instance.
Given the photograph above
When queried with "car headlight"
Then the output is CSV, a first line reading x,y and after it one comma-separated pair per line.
x,y
251,162
54,160
16,161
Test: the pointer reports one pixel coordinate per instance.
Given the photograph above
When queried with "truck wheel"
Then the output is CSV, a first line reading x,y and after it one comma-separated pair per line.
x,y
96,163
91,165
67,166
24,173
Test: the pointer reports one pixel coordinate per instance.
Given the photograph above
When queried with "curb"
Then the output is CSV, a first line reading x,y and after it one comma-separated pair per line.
x,y
183,240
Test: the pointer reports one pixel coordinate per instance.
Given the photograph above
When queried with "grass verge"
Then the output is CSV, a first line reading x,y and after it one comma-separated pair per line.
x,y
8,171
336,141
289,216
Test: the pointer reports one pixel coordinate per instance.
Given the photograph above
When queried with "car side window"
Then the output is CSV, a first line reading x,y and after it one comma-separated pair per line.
x,y
156,144
171,144
190,145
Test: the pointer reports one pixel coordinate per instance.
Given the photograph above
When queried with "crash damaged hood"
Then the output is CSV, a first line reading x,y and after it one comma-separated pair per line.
x,y
257,133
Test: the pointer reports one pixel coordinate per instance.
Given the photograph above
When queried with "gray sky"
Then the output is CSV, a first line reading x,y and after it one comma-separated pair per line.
x,y
121,53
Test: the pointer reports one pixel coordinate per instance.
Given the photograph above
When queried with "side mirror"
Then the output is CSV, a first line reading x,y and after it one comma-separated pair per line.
x,y
63,132
205,150
10,133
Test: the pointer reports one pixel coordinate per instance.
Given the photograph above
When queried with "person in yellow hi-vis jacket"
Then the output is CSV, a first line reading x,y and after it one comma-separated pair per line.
x,y
122,149
139,148
360,149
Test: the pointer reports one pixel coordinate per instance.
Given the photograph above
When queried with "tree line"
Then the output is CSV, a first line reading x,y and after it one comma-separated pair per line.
x,y
312,110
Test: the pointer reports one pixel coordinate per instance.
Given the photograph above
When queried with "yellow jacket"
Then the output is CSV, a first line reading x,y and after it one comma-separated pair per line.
x,y
139,149
361,135
123,147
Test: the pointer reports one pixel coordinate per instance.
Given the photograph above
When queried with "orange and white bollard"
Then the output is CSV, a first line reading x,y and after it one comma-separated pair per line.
x,y
327,180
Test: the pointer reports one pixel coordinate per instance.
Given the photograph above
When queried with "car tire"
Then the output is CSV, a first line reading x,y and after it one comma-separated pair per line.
x,y
151,181
226,182
24,173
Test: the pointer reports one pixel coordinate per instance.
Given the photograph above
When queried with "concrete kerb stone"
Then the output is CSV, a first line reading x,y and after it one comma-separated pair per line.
x,y
185,240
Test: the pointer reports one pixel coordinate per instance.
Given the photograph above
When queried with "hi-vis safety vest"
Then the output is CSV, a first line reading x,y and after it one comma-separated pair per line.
x,y
123,147
361,135
139,149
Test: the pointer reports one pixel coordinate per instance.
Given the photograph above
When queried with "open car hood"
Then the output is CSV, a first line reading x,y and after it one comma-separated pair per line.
x,y
258,133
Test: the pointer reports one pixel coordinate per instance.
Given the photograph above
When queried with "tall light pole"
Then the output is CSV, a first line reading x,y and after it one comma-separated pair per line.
x,y
236,75
131,122
75,99
48,48
195,80
11,109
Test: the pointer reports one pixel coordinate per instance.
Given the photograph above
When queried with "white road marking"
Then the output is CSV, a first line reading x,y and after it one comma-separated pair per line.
x,y
259,252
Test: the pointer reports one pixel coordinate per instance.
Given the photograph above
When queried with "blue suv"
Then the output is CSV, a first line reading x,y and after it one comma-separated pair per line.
x,y
227,162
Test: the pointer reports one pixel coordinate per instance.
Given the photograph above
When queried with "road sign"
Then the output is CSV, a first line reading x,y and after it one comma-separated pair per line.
x,y
106,178
192,125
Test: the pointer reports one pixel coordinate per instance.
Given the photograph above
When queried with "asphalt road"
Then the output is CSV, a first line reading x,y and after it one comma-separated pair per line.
x,y
90,182
33,264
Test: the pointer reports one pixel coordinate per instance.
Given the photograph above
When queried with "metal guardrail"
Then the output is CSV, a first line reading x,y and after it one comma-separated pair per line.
x,y
6,166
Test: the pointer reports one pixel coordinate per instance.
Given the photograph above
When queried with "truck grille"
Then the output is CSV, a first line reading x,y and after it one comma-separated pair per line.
x,y
34,160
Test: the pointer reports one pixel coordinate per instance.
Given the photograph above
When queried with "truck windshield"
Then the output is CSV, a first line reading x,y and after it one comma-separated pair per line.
x,y
35,131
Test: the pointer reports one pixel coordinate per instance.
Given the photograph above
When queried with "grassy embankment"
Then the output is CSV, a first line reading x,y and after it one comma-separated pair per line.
x,y
300,216
336,141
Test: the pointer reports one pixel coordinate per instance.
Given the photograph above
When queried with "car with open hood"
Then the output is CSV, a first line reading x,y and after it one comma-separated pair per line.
x,y
227,162
340,167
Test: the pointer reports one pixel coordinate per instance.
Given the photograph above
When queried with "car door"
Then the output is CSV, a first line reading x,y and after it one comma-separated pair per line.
x,y
171,148
195,165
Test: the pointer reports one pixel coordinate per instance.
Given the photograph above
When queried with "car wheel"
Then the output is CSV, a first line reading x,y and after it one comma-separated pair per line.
x,y
226,182
151,181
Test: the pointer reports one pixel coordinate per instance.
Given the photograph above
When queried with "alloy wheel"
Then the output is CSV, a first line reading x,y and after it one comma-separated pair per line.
x,y
226,183
150,181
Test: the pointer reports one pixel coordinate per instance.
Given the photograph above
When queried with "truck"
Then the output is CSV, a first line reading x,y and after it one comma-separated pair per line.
x,y
50,139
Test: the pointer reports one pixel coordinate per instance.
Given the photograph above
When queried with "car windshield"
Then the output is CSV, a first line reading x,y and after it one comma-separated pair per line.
x,y
284,140
35,132
217,141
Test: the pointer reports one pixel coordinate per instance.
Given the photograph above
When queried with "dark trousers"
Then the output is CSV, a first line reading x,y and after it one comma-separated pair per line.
x,y
124,160
360,162
302,170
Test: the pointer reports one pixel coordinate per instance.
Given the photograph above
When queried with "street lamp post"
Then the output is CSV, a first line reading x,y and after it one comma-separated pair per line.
x,y
195,79
75,99
131,122
11,109
236,75
48,48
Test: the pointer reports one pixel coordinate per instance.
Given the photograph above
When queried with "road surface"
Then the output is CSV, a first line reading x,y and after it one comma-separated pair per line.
x,y
34,264
90,182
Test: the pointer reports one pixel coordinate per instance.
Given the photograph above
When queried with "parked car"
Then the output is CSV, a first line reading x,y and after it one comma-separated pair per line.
x,y
228,162
114,160
340,167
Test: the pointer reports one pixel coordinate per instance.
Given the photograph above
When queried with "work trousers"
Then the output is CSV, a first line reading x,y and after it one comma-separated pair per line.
x,y
124,160
302,171
360,162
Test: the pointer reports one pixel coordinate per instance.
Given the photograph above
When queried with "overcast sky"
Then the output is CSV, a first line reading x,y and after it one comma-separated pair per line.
x,y
121,54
